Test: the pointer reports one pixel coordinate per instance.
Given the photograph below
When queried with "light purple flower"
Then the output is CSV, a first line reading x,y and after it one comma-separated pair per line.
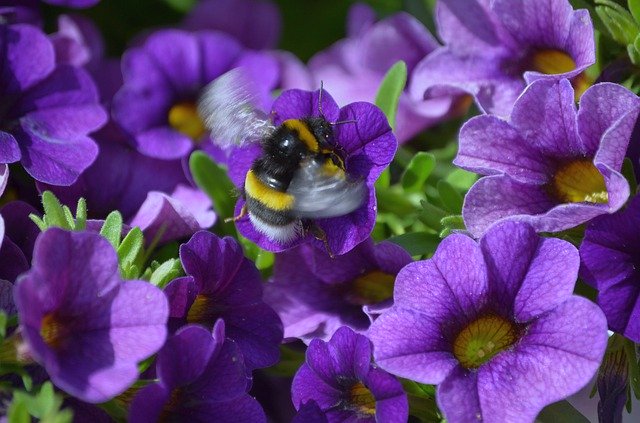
x,y
222,283
610,263
48,109
339,376
202,378
162,83
366,146
315,294
87,327
255,23
494,49
353,68
494,324
550,165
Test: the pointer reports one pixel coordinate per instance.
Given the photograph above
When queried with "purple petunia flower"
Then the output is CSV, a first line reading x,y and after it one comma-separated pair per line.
x,y
494,49
549,165
353,68
339,376
87,327
47,110
494,324
610,263
20,234
366,147
255,23
162,83
202,379
315,294
222,283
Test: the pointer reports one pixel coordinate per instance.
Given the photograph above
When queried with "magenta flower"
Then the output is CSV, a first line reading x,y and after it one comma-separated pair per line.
x,y
353,68
87,327
494,324
222,284
494,49
366,147
202,378
339,377
610,263
315,294
550,165
48,110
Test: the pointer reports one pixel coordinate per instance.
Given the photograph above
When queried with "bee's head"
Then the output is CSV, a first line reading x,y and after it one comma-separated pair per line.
x,y
322,130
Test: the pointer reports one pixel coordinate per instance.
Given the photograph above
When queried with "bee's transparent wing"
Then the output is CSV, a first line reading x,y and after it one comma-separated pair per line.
x,y
227,107
318,194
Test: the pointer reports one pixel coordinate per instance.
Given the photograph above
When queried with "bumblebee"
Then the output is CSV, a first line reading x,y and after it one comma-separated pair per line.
x,y
300,175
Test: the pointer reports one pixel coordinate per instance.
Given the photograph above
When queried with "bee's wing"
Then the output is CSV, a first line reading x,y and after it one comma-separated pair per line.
x,y
227,107
321,194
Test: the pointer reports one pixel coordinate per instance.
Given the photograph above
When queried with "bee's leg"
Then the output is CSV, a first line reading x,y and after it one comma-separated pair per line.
x,y
320,235
243,213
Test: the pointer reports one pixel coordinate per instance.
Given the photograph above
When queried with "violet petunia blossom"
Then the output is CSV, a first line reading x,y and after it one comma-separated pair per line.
x,y
86,326
222,283
202,378
314,294
494,324
255,23
162,83
20,234
354,67
550,165
610,263
339,376
48,109
365,144
494,49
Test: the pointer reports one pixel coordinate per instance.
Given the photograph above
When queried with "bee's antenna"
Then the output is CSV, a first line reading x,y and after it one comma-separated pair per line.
x,y
320,100
340,122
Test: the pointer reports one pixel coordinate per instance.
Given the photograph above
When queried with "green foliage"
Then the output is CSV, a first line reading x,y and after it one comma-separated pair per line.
x,y
112,228
57,215
390,89
162,274
44,405
417,172
561,411
181,5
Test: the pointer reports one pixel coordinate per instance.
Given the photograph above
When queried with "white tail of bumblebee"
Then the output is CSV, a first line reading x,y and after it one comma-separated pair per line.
x,y
227,107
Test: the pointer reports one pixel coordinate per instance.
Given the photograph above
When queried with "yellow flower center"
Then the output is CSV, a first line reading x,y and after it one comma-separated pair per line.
x,y
184,118
482,339
372,287
362,400
52,331
204,311
552,62
577,182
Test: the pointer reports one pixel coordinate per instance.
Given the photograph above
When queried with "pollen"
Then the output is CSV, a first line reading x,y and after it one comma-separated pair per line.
x,y
553,62
579,181
361,400
482,339
372,288
52,331
184,118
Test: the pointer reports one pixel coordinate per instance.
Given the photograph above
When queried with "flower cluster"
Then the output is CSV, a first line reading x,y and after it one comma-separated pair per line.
x,y
216,210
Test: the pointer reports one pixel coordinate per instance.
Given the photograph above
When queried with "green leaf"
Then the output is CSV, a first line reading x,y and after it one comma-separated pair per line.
x,y
450,223
630,175
417,243
81,215
461,179
618,21
213,180
53,211
290,361
18,412
3,325
166,272
417,172
131,252
38,221
181,5
634,8
384,180
264,260
388,95
561,411
451,199
112,228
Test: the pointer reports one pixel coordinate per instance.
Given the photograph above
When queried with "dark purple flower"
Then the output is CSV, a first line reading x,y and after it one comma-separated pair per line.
x,y
255,23
310,412
550,165
20,11
76,4
47,110
611,264
78,41
20,234
494,49
222,283
353,68
87,327
339,376
366,146
315,294
202,378
613,384
162,83
494,324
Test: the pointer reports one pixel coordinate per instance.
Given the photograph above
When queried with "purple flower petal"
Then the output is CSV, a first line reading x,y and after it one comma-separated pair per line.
x,y
9,148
